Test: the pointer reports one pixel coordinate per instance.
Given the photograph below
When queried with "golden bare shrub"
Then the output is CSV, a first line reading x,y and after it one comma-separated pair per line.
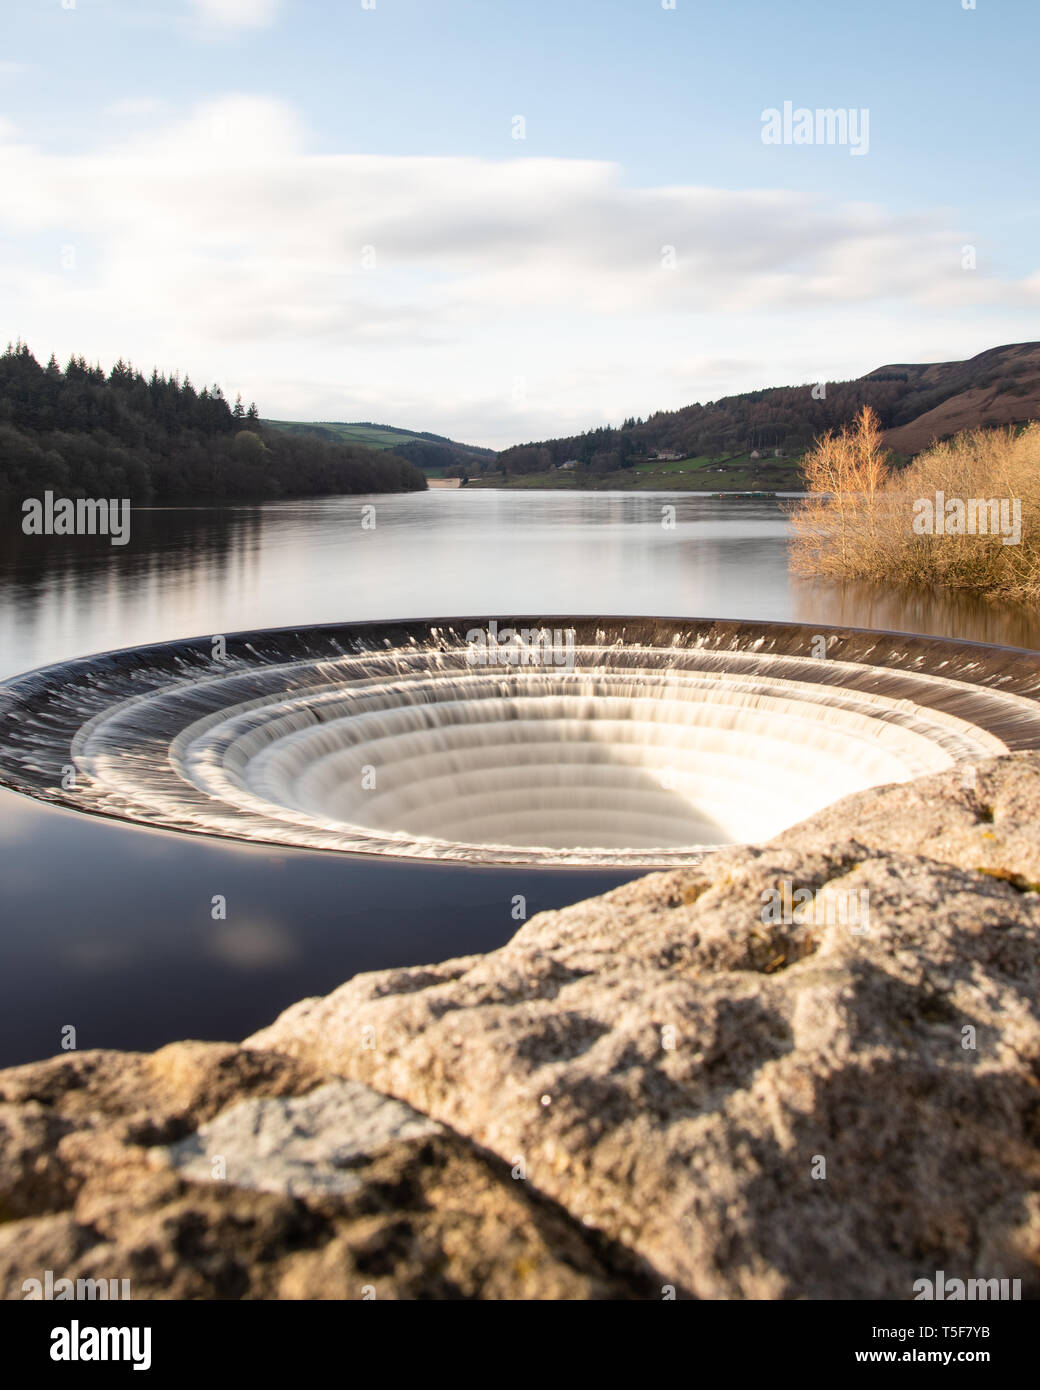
x,y
965,514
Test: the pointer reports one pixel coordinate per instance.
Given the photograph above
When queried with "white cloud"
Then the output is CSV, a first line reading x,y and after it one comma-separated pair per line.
x,y
219,239
235,14
131,107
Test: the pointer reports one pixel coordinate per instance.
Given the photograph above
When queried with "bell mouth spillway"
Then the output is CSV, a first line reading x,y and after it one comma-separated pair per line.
x,y
622,741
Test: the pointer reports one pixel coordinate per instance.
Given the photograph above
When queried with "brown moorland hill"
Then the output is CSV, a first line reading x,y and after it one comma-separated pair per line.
x,y
1002,389
916,403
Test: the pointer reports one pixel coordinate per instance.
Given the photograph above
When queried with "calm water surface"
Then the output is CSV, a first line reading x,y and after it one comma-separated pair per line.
x,y
109,928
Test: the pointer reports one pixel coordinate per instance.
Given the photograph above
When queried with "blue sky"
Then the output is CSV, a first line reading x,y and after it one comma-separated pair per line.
x,y
324,206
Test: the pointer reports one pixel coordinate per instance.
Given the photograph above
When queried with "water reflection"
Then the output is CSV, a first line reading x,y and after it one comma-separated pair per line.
x,y
190,572
940,613
110,927
193,571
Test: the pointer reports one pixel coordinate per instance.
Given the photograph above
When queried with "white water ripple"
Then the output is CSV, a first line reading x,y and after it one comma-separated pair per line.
x,y
640,754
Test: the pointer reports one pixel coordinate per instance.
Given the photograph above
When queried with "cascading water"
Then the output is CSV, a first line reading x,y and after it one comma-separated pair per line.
x,y
659,740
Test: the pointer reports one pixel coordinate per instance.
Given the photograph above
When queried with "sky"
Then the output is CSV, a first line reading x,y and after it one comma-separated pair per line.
x,y
505,220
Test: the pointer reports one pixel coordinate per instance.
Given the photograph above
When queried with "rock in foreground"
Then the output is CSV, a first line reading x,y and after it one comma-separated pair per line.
x,y
210,1171
680,1084
681,1075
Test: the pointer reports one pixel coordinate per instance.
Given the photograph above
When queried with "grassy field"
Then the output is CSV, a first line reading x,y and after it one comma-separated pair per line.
x,y
735,474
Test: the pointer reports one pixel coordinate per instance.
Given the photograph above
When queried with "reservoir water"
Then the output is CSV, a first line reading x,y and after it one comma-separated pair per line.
x,y
136,937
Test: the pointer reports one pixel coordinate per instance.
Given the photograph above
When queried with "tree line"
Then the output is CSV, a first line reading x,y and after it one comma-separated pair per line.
x,y
785,416
80,432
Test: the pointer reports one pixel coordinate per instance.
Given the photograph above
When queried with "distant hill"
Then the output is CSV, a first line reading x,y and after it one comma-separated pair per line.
x,y
433,453
917,403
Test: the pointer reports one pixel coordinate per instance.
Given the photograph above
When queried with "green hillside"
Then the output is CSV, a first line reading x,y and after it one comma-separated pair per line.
x,y
433,453
372,436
